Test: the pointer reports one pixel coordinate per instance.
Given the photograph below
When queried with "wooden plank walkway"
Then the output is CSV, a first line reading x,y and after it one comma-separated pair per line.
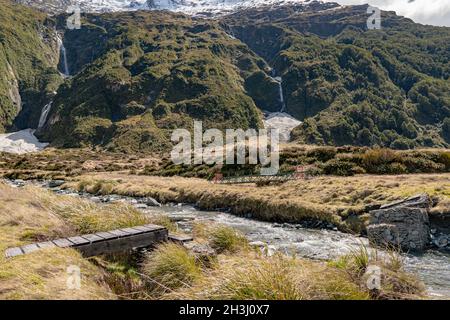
x,y
104,242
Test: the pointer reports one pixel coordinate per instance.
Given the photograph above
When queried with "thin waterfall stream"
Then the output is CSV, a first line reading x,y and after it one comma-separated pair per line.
x,y
44,114
63,55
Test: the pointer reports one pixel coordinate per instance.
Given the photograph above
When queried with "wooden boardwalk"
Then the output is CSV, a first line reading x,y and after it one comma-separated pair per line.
x,y
300,173
256,179
105,242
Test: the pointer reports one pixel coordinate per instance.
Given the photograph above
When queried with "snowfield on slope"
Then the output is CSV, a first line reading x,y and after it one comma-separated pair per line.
x,y
283,122
20,142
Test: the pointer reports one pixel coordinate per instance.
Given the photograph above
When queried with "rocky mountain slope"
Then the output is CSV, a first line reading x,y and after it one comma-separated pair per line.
x,y
137,75
28,59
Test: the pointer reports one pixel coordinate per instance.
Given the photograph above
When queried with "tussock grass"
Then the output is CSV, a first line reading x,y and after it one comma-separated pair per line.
x,y
268,279
168,267
226,239
220,237
86,216
252,276
43,275
395,282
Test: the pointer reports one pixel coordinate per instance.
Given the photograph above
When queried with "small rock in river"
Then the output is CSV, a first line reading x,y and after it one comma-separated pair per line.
x,y
266,249
55,183
96,199
441,242
258,244
149,201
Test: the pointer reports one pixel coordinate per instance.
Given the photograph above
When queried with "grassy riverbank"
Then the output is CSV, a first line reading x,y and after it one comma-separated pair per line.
x,y
32,215
343,201
233,271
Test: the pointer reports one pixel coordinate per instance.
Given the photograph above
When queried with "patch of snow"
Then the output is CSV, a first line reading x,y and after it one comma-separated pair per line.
x,y
20,142
282,121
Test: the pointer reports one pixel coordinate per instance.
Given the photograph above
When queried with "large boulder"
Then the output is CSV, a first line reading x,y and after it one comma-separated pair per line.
x,y
417,201
402,224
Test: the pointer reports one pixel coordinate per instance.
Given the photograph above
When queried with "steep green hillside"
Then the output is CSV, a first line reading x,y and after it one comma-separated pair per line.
x,y
386,87
142,74
28,59
136,76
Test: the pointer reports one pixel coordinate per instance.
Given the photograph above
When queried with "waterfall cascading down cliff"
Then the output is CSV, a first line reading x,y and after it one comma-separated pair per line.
x,y
281,120
44,114
63,55
66,73
279,80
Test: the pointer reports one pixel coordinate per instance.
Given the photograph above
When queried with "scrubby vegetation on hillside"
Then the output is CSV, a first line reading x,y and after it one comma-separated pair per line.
x,y
149,74
341,161
387,87
139,75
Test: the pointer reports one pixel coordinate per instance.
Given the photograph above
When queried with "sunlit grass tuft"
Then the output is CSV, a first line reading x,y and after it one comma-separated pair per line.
x,y
168,267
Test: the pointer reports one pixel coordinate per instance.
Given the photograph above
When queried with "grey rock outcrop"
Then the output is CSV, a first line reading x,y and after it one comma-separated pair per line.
x,y
403,224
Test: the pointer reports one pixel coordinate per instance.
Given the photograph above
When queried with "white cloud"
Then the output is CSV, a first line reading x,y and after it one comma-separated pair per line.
x,y
435,12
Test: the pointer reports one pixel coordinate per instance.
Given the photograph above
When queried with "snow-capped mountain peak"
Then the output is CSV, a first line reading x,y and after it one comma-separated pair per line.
x,y
193,7
212,6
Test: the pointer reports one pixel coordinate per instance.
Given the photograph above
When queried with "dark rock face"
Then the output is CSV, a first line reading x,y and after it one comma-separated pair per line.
x,y
403,224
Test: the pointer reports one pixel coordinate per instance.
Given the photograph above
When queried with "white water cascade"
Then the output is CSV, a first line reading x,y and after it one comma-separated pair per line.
x,y
63,54
279,80
44,114
281,120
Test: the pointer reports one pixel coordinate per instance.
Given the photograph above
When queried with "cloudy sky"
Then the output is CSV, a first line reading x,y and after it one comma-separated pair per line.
x,y
435,12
